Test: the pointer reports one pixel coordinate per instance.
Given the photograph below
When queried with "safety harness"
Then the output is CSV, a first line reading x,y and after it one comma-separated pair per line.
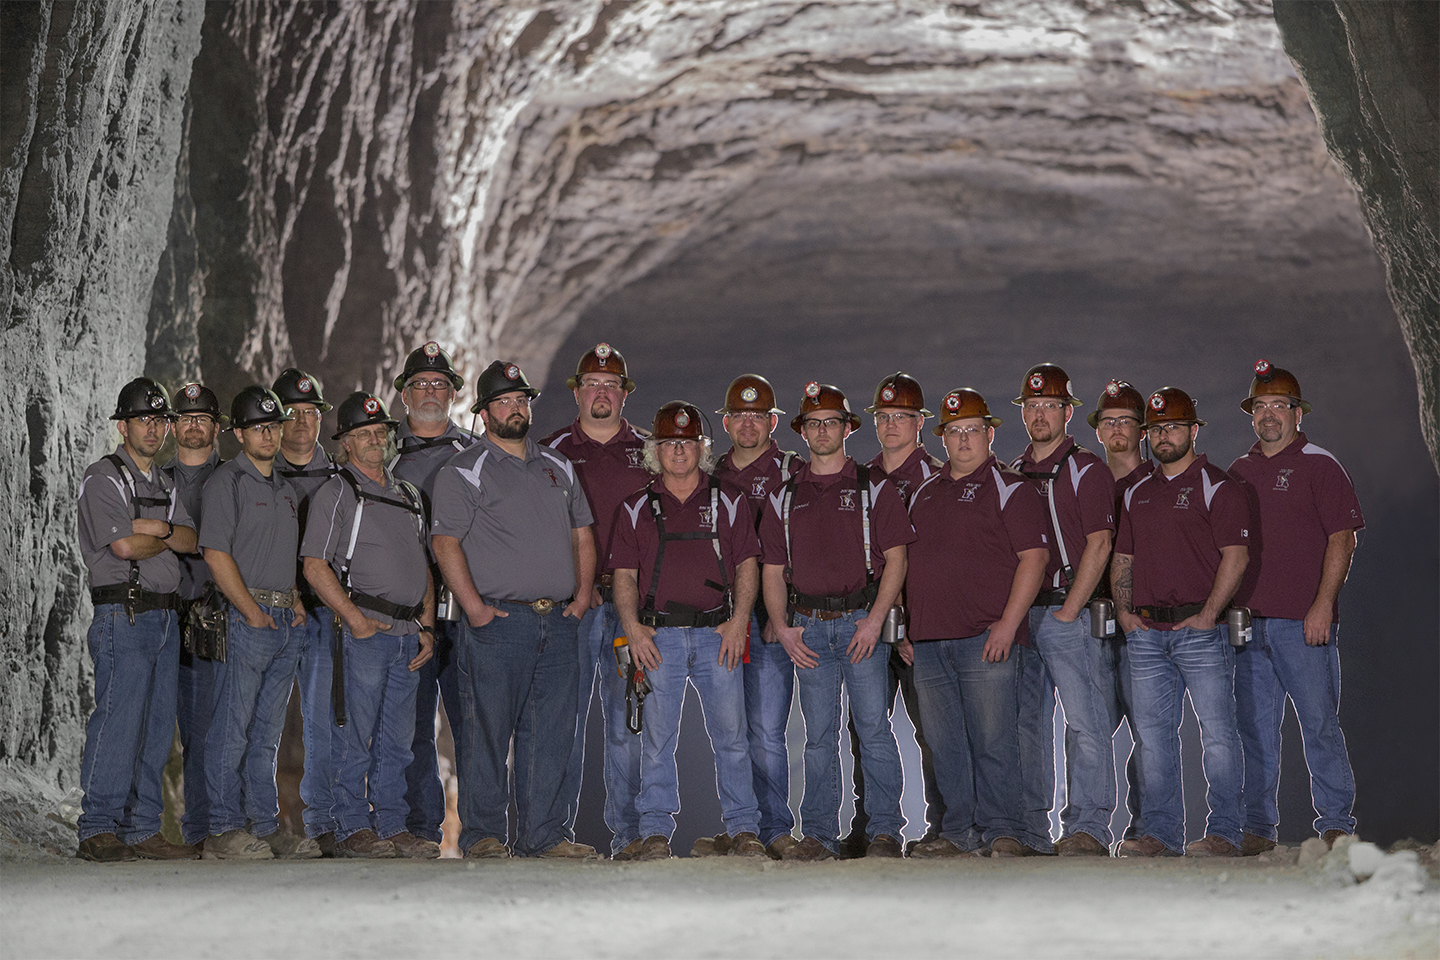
x,y
410,503
862,597
1055,593
678,614
130,594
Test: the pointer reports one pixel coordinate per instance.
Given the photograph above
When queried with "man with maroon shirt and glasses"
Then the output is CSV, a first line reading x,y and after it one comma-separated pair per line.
x,y
608,455
1181,550
976,567
1308,517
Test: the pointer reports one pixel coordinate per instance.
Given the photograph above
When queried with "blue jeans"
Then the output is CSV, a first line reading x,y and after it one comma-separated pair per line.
x,y
1074,660
252,690
194,710
1164,664
691,653
438,679
1114,656
597,632
867,685
128,737
1278,663
1035,706
373,748
968,707
322,747
517,679
902,684
769,690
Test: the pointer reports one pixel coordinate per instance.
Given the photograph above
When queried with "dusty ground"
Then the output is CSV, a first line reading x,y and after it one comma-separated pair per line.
x,y
712,908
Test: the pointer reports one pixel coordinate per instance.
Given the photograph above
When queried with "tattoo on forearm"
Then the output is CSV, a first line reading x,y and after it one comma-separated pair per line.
x,y
1122,582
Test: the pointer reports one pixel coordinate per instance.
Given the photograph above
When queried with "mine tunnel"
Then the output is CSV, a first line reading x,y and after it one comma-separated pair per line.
x,y
832,191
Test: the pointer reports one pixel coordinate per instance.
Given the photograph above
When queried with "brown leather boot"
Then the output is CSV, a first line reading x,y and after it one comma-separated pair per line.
x,y
158,848
104,848
365,845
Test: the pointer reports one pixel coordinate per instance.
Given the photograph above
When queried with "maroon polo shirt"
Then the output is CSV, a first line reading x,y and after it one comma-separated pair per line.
x,y
1174,528
1300,497
826,538
764,475
970,533
1084,500
687,564
609,472
1142,470
917,468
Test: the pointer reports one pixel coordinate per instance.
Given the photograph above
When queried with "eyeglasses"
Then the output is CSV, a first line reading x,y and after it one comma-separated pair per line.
x,y
1273,406
148,422
376,434
264,429
1049,406
1169,429
749,416
1115,423
958,431
507,403
195,420
677,446
828,423
590,383
900,418
431,386
304,414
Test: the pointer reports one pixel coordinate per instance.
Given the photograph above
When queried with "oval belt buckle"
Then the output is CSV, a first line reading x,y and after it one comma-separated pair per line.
x,y
543,606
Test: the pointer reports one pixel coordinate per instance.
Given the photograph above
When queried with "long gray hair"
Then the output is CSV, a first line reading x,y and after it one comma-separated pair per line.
x,y
652,455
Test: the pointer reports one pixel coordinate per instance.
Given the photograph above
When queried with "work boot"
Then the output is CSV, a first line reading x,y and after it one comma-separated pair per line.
x,y
365,845
104,848
746,844
912,844
939,849
716,846
1081,844
291,846
1252,845
809,850
1006,847
158,848
1212,846
1146,846
411,847
884,845
1330,836
237,844
326,843
488,848
853,846
779,845
655,848
631,851
566,850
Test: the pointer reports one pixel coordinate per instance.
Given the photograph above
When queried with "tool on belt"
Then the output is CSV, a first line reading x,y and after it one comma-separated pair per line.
x,y
637,685
205,627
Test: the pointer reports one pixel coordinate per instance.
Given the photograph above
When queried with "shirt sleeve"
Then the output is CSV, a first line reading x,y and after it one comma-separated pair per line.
x,y
892,521
772,531
105,513
1230,516
1026,519
743,542
455,500
580,513
1336,500
1096,497
325,525
1125,533
624,538
219,508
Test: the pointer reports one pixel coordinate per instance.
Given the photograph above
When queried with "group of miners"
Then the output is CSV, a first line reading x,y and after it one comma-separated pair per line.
x,y
502,575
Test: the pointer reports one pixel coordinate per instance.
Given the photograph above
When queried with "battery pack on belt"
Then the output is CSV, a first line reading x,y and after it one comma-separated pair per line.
x,y
1170,614
685,618
384,607
135,599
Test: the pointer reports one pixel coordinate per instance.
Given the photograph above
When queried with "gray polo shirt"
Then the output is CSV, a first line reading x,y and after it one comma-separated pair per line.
x,y
189,485
307,477
107,514
254,519
390,559
513,518
421,458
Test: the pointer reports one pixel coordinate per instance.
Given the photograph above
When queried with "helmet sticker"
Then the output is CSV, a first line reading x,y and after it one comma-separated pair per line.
x,y
682,419
1262,367
192,391
812,389
952,402
749,394
304,385
156,401
1069,390
887,394
602,352
267,404
1037,381
512,372
1113,388
432,349
1157,402
372,406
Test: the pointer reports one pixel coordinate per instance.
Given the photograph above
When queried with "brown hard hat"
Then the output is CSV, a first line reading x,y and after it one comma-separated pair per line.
x,y
963,404
602,358
678,420
1046,380
749,391
900,390
1271,381
1170,405
823,396
1118,395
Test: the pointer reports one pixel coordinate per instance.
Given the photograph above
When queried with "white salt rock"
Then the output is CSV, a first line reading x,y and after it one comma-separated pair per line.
x,y
1365,859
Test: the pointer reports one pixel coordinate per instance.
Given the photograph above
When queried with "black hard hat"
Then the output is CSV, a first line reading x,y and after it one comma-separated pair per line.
x,y
502,376
429,359
143,397
361,409
198,398
255,405
297,386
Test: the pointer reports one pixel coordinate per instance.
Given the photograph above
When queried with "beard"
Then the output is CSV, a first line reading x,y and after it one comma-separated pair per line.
x,y
1170,452
1040,431
601,409
1119,443
1269,430
429,411
510,429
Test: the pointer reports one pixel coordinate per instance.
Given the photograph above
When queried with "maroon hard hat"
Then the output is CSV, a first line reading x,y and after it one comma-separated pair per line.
x,y
963,404
1271,381
1118,395
1170,405
752,392
1046,380
823,396
678,420
602,358
899,390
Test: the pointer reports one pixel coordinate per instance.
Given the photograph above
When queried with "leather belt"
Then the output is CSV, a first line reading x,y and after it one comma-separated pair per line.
x,y
275,598
134,599
689,618
1170,614
384,607
815,614
1050,598
543,606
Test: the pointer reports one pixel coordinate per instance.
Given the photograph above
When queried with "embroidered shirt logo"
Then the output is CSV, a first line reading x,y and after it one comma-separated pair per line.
x,y
847,500
1182,499
1282,479
757,486
967,495
634,455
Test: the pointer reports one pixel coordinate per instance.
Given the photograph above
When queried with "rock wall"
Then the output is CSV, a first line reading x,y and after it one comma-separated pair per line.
x,y
91,126
1372,71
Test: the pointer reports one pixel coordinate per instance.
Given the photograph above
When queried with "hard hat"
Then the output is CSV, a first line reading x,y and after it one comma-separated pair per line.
x,y
1046,380
1170,405
678,420
900,390
1117,395
602,358
823,396
361,409
429,359
963,404
502,376
749,391
1271,381
296,386
143,397
255,405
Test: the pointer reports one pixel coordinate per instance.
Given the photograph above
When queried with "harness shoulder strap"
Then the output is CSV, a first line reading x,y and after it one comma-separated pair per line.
x,y
862,485
1066,574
